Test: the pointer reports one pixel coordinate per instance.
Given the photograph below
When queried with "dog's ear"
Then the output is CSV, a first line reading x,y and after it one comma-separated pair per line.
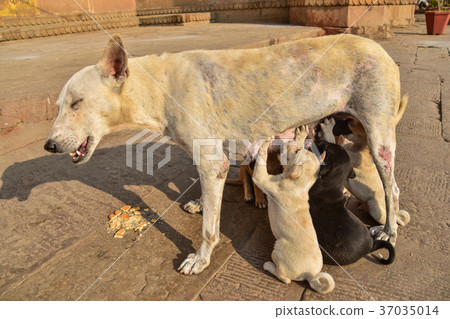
x,y
114,63
352,174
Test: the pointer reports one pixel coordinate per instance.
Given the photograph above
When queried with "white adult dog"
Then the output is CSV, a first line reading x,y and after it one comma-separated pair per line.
x,y
230,94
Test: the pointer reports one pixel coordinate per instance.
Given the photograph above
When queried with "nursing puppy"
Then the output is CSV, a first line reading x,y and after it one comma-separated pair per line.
x,y
367,185
250,188
342,236
296,255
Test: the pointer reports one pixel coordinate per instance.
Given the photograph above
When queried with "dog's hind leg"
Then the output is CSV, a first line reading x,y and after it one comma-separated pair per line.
x,y
381,140
272,268
212,178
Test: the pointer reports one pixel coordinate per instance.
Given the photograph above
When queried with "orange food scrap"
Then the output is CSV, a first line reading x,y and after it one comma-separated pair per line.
x,y
119,233
141,226
125,216
115,223
117,212
126,208
153,220
134,209
111,216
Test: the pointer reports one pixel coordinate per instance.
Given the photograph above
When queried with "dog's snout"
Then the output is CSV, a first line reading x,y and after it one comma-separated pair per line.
x,y
51,146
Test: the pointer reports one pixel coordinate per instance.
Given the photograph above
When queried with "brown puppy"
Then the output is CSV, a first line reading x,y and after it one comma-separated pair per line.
x,y
246,174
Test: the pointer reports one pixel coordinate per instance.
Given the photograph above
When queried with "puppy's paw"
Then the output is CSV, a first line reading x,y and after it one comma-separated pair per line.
x,y
261,202
327,130
403,217
378,232
194,206
301,133
193,265
248,197
269,266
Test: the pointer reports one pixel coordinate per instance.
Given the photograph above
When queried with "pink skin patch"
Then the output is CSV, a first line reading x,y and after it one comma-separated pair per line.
x,y
385,153
224,169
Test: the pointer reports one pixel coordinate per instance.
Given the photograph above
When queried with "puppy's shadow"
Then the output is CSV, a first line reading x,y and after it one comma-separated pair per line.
x,y
105,171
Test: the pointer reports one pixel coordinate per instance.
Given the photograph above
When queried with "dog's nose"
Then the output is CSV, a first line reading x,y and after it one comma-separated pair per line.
x,y
51,146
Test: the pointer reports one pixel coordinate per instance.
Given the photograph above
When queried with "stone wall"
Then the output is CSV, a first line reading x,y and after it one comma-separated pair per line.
x,y
20,8
52,17
361,15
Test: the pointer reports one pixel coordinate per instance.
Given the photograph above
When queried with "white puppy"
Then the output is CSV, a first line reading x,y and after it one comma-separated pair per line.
x,y
296,255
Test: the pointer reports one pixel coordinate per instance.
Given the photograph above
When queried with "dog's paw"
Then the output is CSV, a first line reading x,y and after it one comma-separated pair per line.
x,y
403,217
194,206
261,203
378,232
193,265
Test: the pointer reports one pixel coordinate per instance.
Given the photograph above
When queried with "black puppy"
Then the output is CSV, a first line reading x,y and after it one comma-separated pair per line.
x,y
343,238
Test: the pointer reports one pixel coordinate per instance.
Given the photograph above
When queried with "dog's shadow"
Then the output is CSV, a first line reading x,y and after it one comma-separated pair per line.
x,y
105,171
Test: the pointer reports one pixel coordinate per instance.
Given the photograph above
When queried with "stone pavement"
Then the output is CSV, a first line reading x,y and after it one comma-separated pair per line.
x,y
54,214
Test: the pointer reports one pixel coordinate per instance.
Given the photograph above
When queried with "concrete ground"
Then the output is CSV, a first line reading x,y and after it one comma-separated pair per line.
x,y
55,245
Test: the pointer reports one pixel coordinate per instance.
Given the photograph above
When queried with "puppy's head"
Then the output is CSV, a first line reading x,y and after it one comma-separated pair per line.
x,y
301,165
337,166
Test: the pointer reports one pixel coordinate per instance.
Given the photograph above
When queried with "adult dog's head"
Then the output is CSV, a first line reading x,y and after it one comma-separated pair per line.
x,y
89,104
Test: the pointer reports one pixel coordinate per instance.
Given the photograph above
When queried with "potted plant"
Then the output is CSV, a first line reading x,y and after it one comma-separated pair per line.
x,y
436,20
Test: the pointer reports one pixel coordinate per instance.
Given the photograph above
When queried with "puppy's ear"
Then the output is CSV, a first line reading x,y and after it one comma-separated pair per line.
x,y
322,158
114,63
352,174
324,169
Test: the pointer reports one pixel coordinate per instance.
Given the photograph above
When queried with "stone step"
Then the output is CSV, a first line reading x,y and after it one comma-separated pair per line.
x,y
36,27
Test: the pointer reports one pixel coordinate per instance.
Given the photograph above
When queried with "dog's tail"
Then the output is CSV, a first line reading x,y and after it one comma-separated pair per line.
x,y
322,288
233,181
377,244
401,109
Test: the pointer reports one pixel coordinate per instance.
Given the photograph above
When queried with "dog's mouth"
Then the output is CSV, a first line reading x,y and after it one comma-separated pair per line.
x,y
79,154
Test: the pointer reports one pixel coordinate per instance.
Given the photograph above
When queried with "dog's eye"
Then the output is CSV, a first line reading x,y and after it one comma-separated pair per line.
x,y
74,104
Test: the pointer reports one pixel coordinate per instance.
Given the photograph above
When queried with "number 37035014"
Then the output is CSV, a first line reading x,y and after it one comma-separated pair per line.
x,y
409,310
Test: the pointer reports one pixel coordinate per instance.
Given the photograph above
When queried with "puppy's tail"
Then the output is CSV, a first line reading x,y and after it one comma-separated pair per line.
x,y
377,244
235,181
322,288
401,109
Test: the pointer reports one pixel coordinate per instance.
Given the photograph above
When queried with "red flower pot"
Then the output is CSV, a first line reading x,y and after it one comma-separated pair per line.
x,y
436,21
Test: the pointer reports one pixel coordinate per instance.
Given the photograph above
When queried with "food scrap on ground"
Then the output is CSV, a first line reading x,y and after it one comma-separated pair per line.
x,y
129,218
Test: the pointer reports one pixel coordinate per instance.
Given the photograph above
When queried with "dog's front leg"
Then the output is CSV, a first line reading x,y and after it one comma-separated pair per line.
x,y
212,178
